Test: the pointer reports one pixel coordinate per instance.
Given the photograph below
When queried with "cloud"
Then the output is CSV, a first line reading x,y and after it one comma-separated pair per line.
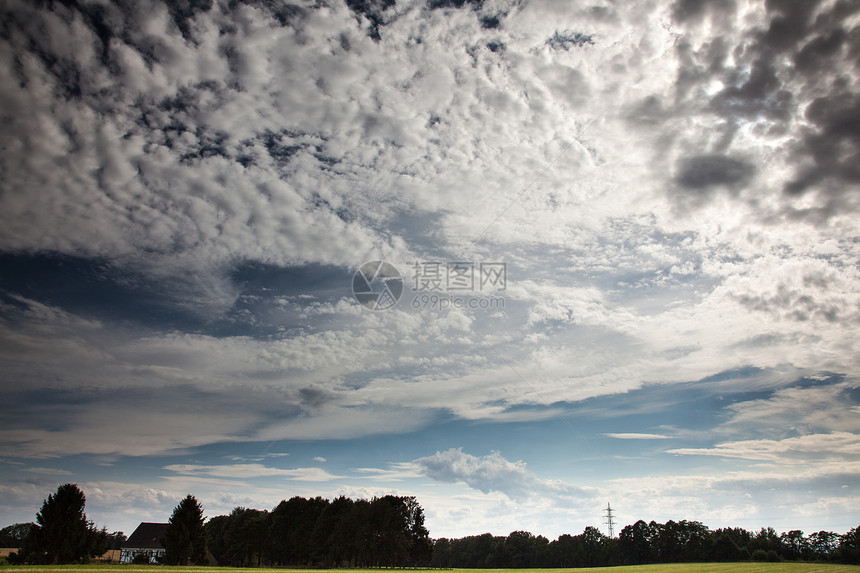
x,y
250,471
672,186
493,473
705,171
826,408
634,436
397,471
48,471
801,449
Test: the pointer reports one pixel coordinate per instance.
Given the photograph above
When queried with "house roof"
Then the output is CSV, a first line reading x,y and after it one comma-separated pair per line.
x,y
146,536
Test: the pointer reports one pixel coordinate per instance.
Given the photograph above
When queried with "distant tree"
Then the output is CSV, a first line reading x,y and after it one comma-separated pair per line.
x,y
849,547
566,551
421,550
62,533
247,538
823,545
741,537
767,540
185,539
332,535
442,554
216,540
636,543
14,535
520,550
725,549
793,544
115,540
291,529
593,546
390,539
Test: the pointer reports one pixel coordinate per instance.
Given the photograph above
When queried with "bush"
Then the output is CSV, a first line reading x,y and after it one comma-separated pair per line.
x,y
759,555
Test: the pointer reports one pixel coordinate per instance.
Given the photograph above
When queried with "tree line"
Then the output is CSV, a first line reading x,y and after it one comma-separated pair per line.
x,y
641,543
389,531
386,531
382,532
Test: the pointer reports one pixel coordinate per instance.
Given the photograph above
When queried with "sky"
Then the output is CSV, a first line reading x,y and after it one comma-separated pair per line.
x,y
517,258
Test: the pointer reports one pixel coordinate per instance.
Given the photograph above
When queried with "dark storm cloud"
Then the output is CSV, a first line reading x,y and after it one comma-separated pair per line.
x,y
701,177
760,95
685,10
790,72
314,398
789,22
437,4
834,148
705,171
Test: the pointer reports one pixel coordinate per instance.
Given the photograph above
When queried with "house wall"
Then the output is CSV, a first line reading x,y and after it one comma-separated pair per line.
x,y
128,555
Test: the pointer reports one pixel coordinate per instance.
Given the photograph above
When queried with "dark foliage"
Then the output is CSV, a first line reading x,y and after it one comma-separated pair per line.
x,y
14,535
62,533
185,540
384,532
640,543
115,540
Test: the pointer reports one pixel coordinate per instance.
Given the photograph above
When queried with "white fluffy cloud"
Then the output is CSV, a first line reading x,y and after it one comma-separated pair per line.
x,y
494,473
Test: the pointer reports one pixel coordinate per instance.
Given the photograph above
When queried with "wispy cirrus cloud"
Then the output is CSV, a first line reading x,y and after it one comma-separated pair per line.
x,y
635,436
805,449
250,471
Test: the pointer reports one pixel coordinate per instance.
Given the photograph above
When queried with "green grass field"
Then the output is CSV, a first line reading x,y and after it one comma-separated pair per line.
x,y
668,568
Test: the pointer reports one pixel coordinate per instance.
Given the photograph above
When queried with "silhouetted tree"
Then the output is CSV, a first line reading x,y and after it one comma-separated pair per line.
x,y
636,543
332,538
291,529
766,540
725,549
566,551
823,545
682,541
849,547
62,533
240,539
592,546
216,540
14,535
114,540
793,545
185,539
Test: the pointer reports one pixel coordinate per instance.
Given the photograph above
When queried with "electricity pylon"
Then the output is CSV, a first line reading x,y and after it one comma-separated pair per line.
x,y
609,521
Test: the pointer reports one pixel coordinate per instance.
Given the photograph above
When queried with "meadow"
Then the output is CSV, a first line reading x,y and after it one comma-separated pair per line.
x,y
656,568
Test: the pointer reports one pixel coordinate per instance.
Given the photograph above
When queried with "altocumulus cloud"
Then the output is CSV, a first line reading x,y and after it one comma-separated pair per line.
x,y
187,188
